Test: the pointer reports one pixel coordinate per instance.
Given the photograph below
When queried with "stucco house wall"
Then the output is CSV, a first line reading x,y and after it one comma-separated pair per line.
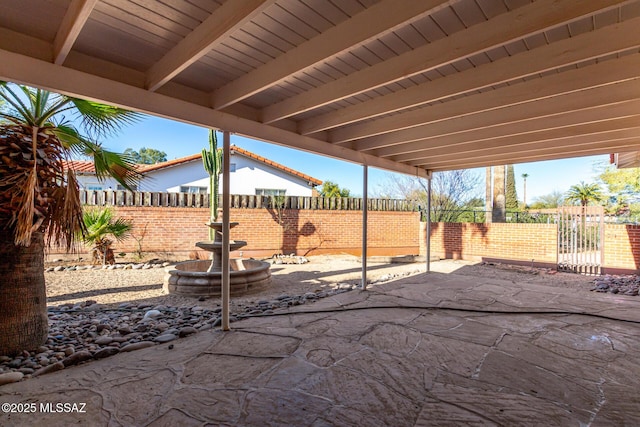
x,y
250,175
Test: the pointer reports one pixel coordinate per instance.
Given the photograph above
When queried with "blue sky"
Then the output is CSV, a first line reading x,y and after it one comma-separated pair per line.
x,y
179,139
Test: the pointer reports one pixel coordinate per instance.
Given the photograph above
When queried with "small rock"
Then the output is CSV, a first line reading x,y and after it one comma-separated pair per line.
x,y
124,330
106,352
104,340
50,368
77,357
165,338
152,314
136,346
102,326
10,377
186,331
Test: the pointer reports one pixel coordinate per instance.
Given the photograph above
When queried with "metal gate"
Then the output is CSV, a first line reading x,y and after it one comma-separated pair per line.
x,y
580,239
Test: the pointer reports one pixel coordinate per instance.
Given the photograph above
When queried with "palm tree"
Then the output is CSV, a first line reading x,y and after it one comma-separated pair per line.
x,y
584,194
38,194
100,225
524,197
331,189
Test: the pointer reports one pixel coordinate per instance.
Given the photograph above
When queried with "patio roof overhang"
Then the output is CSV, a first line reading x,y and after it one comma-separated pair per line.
x,y
404,85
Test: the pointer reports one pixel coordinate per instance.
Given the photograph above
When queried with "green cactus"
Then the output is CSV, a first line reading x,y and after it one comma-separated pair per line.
x,y
212,161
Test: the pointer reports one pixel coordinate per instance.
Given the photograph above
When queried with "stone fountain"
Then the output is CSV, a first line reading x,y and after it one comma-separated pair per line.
x,y
204,277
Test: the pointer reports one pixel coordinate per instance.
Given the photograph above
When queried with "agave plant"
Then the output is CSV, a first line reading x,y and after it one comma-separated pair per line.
x,y
100,225
38,194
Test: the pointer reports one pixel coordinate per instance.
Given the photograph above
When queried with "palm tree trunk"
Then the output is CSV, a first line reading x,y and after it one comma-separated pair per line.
x,y
23,299
499,199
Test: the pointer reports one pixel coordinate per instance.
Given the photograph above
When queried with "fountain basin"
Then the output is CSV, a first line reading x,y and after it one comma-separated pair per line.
x,y
191,278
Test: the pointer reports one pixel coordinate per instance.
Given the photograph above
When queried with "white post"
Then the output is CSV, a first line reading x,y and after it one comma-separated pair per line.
x,y
226,276
428,232
365,204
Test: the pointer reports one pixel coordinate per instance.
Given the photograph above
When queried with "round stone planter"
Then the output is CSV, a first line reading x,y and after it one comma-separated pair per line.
x,y
190,278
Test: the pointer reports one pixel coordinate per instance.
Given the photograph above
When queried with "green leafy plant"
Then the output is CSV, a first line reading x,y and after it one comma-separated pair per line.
x,y
100,226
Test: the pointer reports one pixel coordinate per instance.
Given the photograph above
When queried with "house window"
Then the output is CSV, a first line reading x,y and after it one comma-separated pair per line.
x,y
232,167
121,188
193,189
94,187
270,192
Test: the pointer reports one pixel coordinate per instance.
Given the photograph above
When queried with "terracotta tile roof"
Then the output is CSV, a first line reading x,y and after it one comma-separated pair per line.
x,y
80,166
169,163
264,160
83,166
87,167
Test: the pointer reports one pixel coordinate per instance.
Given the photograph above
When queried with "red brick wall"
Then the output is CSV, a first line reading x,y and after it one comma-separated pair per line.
x,y
313,232
622,246
305,232
516,242
522,243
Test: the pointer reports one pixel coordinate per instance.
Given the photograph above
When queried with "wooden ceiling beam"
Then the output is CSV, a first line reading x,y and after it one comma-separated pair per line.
x,y
544,139
26,70
518,23
607,40
618,93
554,85
612,113
72,23
228,18
377,20
588,149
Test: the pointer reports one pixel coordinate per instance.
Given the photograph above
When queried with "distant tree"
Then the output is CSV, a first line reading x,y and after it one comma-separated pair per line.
x,y
524,198
331,189
451,192
511,195
548,201
623,184
584,194
146,156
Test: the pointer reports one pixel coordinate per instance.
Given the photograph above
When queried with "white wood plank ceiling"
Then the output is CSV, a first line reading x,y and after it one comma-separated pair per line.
x,y
406,85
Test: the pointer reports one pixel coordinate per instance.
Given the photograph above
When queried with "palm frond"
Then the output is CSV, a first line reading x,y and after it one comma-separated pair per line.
x,y
101,119
24,221
118,166
99,224
24,115
66,225
70,137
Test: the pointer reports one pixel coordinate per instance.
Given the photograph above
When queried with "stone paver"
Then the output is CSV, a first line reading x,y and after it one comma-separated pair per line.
x,y
436,349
